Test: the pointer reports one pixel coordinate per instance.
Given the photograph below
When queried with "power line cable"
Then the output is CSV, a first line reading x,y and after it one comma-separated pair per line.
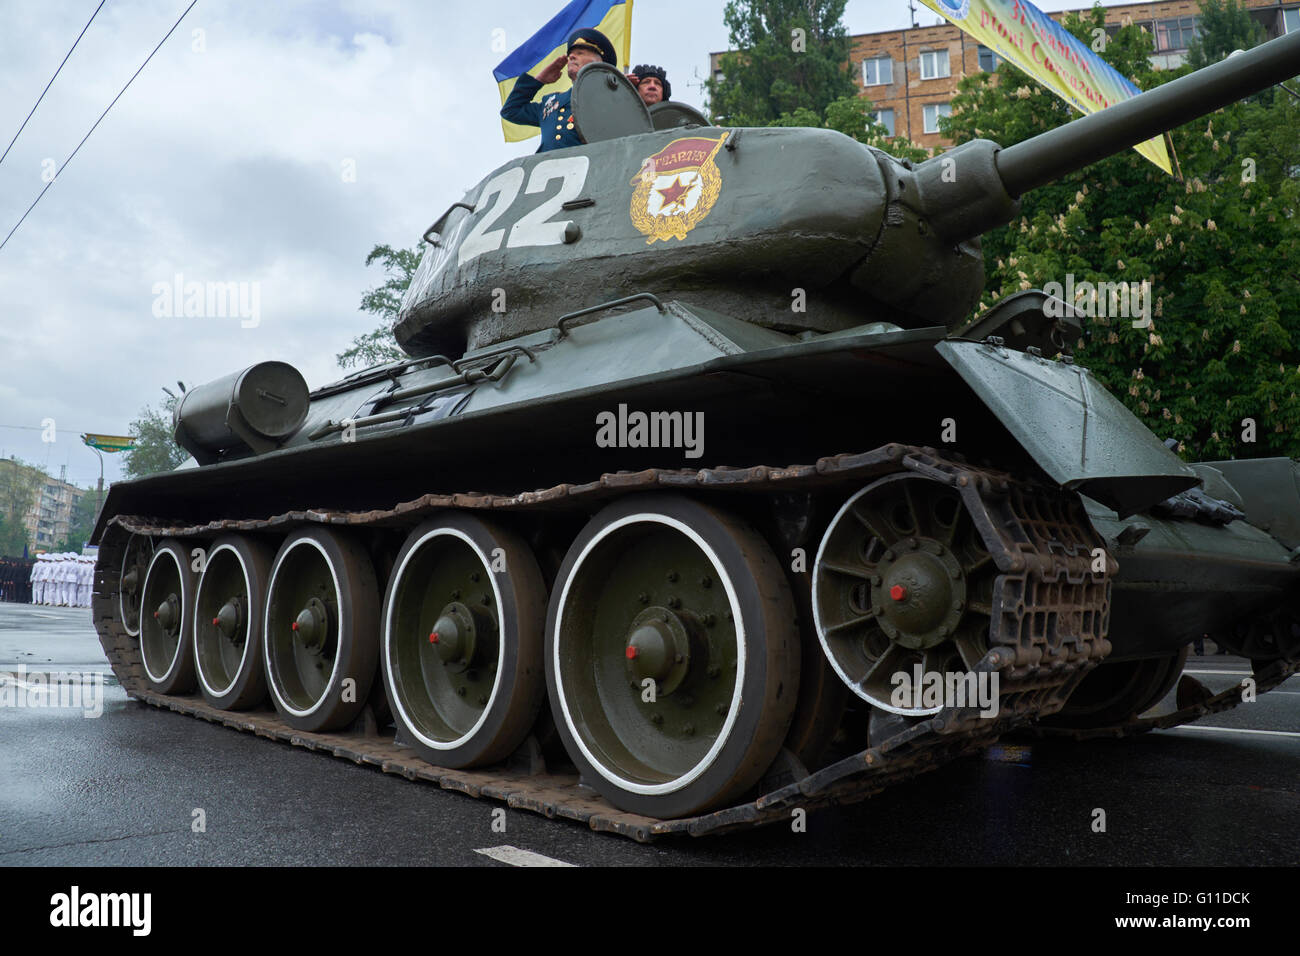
x,y
97,122
52,79
41,428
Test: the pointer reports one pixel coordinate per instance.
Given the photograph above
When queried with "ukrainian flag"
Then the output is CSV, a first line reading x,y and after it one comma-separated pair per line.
x,y
611,17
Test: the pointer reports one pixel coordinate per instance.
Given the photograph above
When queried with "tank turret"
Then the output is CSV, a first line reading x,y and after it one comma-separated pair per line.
x,y
737,220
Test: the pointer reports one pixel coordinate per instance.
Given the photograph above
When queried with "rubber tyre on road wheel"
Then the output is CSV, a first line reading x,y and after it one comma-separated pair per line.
x,y
643,571
324,576
167,606
230,670
477,710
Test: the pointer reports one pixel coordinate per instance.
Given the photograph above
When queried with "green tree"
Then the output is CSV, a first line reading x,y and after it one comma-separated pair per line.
x,y
83,522
20,483
851,115
1225,341
767,82
1225,26
786,55
155,449
378,346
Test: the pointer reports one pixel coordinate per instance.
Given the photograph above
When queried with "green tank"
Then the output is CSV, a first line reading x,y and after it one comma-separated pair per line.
x,y
705,494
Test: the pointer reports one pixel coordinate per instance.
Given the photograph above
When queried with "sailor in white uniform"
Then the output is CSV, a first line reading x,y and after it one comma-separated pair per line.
x,y
38,580
87,579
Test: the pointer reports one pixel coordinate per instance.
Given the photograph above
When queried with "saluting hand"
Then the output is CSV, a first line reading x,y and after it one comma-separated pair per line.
x,y
553,70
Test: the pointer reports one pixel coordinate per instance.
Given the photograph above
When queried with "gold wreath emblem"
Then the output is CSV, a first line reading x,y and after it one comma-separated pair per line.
x,y
674,225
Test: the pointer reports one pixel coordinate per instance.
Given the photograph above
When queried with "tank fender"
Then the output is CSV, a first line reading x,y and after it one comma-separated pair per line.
x,y
1269,493
1078,433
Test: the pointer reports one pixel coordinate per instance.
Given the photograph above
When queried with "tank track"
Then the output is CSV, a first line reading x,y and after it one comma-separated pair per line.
x,y
1050,616
1203,703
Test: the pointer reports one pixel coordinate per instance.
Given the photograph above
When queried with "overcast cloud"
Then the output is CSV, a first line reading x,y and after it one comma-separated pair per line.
x,y
227,165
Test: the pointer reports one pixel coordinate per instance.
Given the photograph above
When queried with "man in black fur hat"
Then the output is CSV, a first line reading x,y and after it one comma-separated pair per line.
x,y
652,83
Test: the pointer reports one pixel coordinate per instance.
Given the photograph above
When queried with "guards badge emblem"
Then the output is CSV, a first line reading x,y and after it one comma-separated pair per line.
x,y
676,188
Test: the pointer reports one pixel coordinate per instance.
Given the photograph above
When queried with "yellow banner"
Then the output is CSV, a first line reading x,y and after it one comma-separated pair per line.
x,y
1030,40
108,442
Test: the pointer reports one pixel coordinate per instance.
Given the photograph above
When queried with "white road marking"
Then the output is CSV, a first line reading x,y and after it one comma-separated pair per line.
x,y
517,857
1239,730
1226,673
57,617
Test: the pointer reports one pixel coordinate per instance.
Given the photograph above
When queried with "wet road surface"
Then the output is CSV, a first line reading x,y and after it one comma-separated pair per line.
x,y
130,786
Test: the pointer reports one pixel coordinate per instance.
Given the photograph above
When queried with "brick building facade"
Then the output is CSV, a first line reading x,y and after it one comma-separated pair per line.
x,y
911,75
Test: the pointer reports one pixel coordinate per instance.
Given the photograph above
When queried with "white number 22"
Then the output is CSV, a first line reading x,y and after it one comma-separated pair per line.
x,y
536,227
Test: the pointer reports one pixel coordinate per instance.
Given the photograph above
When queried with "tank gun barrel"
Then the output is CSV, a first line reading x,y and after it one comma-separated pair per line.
x,y
975,186
1071,147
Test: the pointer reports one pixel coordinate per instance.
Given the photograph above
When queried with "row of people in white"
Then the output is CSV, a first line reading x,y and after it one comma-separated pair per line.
x,y
63,580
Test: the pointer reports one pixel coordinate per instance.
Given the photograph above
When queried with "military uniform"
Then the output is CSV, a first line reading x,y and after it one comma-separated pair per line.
x,y
554,114
85,581
38,579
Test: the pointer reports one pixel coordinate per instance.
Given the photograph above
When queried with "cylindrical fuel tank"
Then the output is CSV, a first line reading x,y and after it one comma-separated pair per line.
x,y
256,408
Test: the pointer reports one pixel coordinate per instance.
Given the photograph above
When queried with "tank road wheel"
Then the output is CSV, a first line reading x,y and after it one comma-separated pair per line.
x,y
462,641
228,623
1118,691
135,565
672,655
321,630
902,579
167,599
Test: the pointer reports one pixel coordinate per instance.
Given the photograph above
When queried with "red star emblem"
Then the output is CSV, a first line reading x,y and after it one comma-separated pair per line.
x,y
673,192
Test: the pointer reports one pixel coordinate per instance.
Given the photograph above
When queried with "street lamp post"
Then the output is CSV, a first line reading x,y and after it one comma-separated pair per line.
x,y
99,493
99,444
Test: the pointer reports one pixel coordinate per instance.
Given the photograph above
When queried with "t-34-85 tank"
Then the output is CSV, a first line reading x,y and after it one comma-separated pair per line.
x,y
699,448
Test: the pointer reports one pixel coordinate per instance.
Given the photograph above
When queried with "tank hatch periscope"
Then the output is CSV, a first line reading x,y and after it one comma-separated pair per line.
x,y
595,549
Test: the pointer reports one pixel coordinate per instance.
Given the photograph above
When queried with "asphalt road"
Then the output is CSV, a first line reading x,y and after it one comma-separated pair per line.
x,y
124,788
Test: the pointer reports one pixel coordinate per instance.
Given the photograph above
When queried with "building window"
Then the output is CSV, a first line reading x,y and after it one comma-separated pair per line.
x,y
878,71
932,112
1176,34
934,64
885,118
1290,21
989,61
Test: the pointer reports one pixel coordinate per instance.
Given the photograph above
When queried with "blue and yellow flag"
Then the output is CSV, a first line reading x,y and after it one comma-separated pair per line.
x,y
611,17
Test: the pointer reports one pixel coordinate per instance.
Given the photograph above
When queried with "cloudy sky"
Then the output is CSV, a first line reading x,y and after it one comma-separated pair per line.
x,y
228,160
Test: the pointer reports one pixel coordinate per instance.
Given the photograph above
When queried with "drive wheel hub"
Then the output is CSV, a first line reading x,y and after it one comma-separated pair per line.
x,y
902,580
921,593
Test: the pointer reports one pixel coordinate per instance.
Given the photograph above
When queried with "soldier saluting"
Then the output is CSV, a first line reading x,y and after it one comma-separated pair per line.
x,y
554,114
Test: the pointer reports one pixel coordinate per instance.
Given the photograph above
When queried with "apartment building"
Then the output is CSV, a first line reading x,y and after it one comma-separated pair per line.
x,y
911,75
50,520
